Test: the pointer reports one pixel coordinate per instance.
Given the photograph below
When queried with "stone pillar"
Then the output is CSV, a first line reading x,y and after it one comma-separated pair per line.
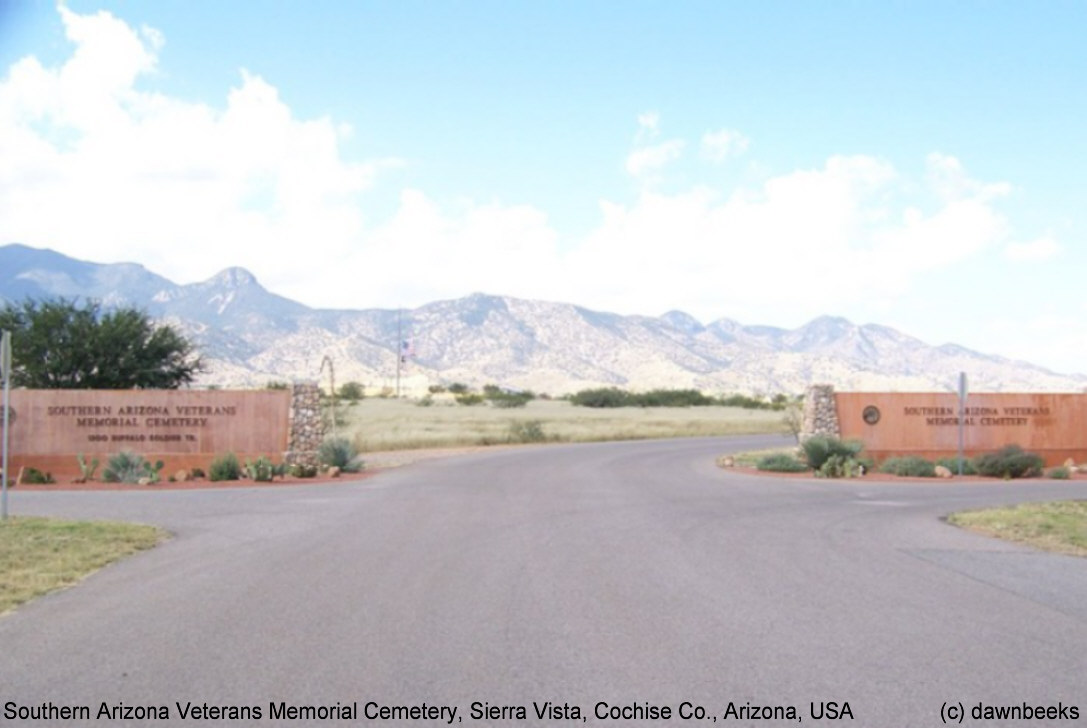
x,y
820,412
307,428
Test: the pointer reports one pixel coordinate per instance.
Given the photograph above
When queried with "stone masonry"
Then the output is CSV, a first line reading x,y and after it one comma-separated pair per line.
x,y
820,412
307,428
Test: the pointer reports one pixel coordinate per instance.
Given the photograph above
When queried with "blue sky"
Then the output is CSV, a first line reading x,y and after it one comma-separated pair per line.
x,y
916,164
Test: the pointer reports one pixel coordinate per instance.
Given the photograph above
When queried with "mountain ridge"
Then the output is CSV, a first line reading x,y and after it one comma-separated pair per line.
x,y
249,336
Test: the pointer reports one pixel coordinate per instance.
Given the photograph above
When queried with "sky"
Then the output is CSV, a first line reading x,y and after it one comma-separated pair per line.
x,y
921,165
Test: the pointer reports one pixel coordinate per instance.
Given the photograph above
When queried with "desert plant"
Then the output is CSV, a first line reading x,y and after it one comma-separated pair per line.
x,y
260,470
339,452
469,400
86,472
33,476
425,401
780,463
840,466
197,473
351,391
1060,473
526,431
910,466
225,467
303,470
458,388
952,464
820,448
1010,462
128,467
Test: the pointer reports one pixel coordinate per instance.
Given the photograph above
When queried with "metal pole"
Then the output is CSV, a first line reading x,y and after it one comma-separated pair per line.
x,y
5,365
399,350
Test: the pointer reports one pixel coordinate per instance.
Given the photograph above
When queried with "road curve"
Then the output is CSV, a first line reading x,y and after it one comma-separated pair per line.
x,y
634,574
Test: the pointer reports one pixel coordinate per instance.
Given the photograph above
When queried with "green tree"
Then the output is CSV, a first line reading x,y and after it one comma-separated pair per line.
x,y
351,391
63,345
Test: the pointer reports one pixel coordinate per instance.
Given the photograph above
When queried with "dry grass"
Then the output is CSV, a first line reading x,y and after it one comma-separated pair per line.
x,y
1060,526
39,555
388,424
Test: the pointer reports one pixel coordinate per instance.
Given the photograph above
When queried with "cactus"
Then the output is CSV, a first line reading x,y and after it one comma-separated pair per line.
x,y
86,472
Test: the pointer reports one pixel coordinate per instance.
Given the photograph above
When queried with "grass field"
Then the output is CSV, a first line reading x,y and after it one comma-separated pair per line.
x,y
38,555
1059,526
390,424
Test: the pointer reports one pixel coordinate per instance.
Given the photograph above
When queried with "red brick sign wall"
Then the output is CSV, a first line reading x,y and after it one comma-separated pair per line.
x,y
927,424
183,428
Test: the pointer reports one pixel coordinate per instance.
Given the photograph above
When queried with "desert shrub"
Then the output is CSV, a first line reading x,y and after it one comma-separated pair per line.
x,y
744,401
277,385
1060,473
351,391
127,467
526,431
1010,462
339,452
86,470
841,466
425,401
469,400
225,467
910,466
952,464
261,470
509,400
302,470
458,388
197,473
673,398
601,397
33,476
820,448
435,389
781,463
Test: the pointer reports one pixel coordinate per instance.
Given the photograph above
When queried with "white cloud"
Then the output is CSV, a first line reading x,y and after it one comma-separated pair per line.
x,y
99,169
717,146
1042,248
646,162
93,166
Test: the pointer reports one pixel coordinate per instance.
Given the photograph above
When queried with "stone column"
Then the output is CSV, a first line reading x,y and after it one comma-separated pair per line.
x,y
307,428
820,412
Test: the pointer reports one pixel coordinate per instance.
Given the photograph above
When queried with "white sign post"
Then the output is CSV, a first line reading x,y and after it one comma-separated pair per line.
x,y
5,372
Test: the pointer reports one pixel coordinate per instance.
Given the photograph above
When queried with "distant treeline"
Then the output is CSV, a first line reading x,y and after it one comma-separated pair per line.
x,y
614,397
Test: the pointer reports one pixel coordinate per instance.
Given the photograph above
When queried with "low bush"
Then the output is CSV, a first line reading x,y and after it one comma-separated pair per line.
x,y
527,431
601,397
1010,462
781,463
910,466
127,467
33,476
820,448
261,470
952,464
841,466
301,470
469,400
339,452
1060,473
225,467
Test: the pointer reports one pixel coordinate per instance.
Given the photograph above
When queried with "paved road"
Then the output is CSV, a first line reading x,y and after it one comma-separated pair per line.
x,y
634,574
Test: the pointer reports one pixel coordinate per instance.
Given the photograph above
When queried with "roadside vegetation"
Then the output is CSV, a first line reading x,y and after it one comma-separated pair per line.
x,y
1058,526
39,555
376,424
830,457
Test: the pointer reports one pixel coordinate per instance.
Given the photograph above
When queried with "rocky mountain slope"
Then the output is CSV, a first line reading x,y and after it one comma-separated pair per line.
x,y
250,336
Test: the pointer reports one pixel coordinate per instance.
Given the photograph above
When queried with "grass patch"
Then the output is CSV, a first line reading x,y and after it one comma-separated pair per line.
x,y
1059,526
39,555
389,424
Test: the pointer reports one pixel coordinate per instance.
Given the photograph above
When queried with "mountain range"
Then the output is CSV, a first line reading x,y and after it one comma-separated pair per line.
x,y
249,336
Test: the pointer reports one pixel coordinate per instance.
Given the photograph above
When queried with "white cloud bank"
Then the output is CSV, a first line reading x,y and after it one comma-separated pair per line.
x,y
96,167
